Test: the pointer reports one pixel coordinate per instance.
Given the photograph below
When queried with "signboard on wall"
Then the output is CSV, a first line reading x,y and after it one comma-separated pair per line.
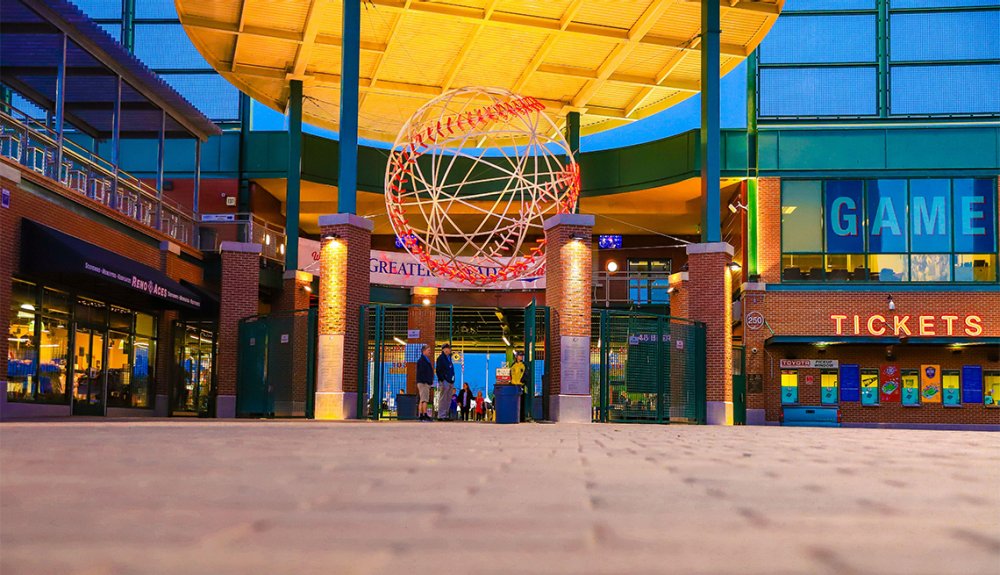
x,y
400,269
809,364
930,383
754,321
890,384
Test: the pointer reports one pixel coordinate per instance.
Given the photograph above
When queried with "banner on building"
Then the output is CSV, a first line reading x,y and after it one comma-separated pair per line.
x,y
911,389
808,364
930,383
400,269
890,384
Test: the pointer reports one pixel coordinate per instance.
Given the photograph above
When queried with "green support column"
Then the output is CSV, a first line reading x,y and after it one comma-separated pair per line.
x,y
347,180
752,155
294,187
711,201
128,25
573,138
243,196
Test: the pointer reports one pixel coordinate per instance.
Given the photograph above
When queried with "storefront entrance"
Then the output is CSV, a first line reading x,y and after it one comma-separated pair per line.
x,y
88,374
194,381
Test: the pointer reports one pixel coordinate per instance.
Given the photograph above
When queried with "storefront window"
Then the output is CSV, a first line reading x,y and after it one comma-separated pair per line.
x,y
951,388
869,387
22,355
828,387
119,369
991,389
143,360
789,387
911,388
920,230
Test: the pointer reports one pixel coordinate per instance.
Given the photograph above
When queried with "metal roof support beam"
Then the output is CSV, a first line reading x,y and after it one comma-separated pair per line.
x,y
294,176
197,178
350,63
116,137
60,106
268,33
711,193
161,152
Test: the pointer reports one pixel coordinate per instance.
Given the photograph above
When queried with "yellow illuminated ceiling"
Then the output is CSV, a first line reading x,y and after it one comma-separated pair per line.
x,y
614,61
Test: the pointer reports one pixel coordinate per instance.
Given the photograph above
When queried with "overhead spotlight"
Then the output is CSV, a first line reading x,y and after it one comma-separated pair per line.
x,y
267,239
281,249
671,289
612,266
892,304
734,266
330,236
308,288
426,301
737,206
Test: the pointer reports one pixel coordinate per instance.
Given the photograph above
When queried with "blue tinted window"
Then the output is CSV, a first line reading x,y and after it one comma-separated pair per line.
x,y
945,89
841,91
941,3
975,216
887,218
155,9
844,217
210,93
930,205
803,5
166,46
114,30
100,9
956,36
801,209
849,38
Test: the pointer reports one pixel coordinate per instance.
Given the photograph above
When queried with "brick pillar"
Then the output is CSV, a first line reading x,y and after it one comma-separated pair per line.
x,y
345,251
755,333
568,281
709,300
10,248
238,299
167,370
769,229
422,316
295,291
679,294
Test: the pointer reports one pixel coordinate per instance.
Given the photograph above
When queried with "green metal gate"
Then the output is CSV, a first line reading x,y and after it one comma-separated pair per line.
x,y
739,386
647,368
276,375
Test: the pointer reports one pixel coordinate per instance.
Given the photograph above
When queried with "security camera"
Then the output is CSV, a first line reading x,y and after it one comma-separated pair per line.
x,y
753,350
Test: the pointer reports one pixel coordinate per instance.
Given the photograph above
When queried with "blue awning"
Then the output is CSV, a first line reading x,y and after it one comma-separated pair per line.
x,y
891,340
46,252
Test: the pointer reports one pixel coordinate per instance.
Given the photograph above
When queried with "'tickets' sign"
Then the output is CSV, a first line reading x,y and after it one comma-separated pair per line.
x,y
907,325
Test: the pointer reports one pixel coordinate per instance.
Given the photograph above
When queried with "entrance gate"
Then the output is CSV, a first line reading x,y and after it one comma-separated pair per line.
x,y
482,338
273,350
647,368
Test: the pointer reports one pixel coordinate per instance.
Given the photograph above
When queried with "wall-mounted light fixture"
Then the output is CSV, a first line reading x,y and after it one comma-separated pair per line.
x,y
734,266
612,266
330,236
671,289
426,301
892,304
308,288
579,237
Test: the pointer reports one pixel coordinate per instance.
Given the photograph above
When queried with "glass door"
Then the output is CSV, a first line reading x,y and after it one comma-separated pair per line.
x,y
195,349
88,371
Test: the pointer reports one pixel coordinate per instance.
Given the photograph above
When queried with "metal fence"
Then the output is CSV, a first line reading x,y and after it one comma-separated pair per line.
x,y
647,368
275,351
242,227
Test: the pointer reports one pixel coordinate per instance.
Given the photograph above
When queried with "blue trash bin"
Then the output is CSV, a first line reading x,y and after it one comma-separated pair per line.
x,y
508,403
406,406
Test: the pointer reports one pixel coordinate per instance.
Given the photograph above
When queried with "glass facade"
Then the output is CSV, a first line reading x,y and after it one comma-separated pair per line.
x,y
101,355
919,230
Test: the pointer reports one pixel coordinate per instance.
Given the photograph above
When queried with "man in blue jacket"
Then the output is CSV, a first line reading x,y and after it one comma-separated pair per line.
x,y
425,381
446,380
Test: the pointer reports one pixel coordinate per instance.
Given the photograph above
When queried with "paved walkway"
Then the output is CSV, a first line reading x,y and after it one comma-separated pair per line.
x,y
273,497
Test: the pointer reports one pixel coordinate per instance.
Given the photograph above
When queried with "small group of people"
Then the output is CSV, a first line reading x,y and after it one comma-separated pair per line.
x,y
449,403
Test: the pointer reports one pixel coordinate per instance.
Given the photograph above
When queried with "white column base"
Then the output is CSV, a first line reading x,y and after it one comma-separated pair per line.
x,y
719,413
336,405
571,409
756,417
161,405
225,406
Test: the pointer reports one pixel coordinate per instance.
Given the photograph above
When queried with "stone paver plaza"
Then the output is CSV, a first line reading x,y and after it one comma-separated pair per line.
x,y
126,497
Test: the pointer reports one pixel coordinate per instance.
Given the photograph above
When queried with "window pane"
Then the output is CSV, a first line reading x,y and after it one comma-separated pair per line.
x,y
975,215
143,365
22,383
951,388
930,267
121,319
833,38
969,35
145,324
929,209
976,267
90,312
56,304
945,89
991,389
801,211
155,9
810,92
844,217
804,5
846,268
119,370
889,267
887,221
911,388
829,385
212,94
167,47
100,9
802,267
869,387
53,354
789,387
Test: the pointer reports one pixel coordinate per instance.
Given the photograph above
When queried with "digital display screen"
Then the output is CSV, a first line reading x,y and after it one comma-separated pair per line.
x,y
609,242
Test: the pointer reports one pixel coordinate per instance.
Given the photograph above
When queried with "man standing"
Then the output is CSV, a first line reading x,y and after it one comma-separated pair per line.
x,y
446,380
425,380
516,378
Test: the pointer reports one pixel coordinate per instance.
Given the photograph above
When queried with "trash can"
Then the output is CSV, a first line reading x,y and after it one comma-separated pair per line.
x,y
406,406
508,403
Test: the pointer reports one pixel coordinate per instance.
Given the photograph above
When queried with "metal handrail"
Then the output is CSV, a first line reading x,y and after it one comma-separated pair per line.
x,y
36,146
243,227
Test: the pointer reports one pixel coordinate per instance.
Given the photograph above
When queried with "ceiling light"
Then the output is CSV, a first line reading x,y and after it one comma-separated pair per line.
x,y
734,266
612,266
27,306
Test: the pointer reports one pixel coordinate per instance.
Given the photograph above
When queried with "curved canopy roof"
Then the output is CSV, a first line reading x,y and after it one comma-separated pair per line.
x,y
611,60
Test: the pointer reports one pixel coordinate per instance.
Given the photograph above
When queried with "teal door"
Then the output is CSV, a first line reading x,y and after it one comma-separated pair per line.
x,y
252,397
739,386
528,402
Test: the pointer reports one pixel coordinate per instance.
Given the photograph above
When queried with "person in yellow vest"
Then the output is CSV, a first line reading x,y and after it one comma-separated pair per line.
x,y
516,377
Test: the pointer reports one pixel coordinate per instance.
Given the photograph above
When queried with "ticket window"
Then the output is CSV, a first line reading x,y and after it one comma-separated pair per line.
x,y
789,387
951,388
911,388
869,387
829,387
991,389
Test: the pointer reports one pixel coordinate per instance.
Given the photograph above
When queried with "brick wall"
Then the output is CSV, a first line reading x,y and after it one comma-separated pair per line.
x,y
240,269
769,229
568,269
709,301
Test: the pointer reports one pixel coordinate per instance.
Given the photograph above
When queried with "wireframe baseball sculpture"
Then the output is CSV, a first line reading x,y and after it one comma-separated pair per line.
x,y
471,177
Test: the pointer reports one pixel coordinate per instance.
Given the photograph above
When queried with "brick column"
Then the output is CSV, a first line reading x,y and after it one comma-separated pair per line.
x,y
344,287
769,229
238,299
295,291
679,294
422,316
10,255
709,300
167,370
755,333
568,285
